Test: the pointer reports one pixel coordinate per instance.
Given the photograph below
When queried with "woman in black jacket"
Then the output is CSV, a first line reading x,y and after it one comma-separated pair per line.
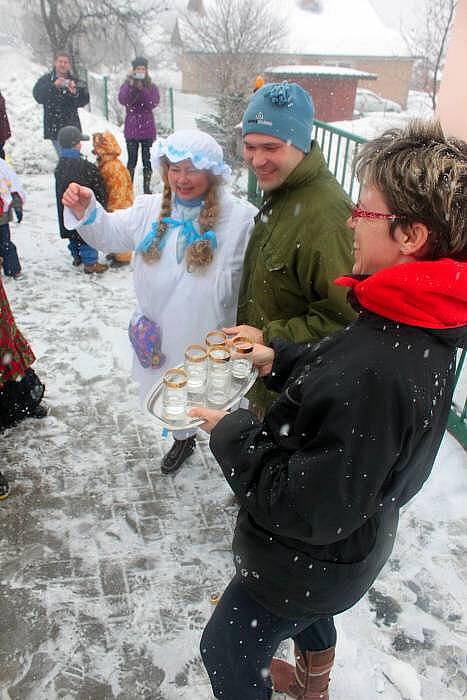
x,y
356,428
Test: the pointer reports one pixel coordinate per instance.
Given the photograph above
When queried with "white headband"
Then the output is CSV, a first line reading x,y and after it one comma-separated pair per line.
x,y
190,144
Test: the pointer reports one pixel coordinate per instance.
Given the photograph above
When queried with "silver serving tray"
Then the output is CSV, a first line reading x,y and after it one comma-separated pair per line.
x,y
154,402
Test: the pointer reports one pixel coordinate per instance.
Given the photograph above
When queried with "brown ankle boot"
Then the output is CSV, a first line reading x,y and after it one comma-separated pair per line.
x,y
95,267
309,680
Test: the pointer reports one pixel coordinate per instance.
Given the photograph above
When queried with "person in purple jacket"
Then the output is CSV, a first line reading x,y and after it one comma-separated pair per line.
x,y
140,96
5,132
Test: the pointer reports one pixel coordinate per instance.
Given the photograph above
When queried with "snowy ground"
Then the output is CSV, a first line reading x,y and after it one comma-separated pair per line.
x,y
107,566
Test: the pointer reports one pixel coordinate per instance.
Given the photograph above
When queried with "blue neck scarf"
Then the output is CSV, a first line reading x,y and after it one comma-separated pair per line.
x,y
190,203
69,153
186,237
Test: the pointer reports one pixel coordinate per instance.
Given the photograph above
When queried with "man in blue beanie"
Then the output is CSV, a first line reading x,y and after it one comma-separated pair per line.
x,y
300,243
286,112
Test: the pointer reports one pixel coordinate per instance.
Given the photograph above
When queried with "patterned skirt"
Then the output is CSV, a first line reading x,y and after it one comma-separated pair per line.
x,y
20,388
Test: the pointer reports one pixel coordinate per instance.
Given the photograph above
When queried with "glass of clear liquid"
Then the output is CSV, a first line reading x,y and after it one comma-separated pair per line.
x,y
242,354
196,367
219,376
175,396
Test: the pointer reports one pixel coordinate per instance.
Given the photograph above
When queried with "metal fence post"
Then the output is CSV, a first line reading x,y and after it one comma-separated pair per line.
x,y
83,75
106,96
171,107
254,196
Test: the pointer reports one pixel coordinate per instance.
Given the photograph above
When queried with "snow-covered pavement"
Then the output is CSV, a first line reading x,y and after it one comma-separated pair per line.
x,y
107,566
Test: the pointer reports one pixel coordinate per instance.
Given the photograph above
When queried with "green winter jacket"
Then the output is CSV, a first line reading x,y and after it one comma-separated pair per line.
x,y
299,245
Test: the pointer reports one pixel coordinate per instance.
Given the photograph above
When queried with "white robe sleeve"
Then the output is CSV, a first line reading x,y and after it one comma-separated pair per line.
x,y
114,232
9,183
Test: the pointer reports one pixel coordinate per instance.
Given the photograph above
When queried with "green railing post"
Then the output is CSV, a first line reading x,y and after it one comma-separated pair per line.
x,y
106,96
253,194
336,164
171,107
457,422
83,75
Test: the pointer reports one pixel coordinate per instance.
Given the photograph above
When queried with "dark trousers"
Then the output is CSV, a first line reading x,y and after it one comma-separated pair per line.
x,y
132,148
18,399
8,252
241,638
2,150
79,249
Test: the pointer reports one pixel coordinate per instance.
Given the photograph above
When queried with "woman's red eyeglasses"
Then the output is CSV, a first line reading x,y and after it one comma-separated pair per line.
x,y
357,213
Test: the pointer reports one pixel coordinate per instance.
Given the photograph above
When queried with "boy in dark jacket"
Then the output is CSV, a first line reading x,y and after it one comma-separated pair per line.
x,y
355,430
73,168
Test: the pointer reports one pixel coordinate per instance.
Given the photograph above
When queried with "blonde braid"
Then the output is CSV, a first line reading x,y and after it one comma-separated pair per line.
x,y
200,254
153,253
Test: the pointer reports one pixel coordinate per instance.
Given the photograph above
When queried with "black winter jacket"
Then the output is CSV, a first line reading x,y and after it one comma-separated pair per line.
x,y
83,172
60,105
350,440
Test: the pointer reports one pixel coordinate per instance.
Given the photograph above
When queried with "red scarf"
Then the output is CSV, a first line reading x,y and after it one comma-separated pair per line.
x,y
429,294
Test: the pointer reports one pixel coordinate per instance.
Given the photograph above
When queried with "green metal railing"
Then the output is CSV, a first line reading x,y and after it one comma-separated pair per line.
x,y
339,148
457,423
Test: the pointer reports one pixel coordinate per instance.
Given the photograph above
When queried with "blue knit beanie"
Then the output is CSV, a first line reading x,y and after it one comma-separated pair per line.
x,y
284,110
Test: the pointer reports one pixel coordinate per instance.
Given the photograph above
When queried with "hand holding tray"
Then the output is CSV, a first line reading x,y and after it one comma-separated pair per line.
x,y
239,387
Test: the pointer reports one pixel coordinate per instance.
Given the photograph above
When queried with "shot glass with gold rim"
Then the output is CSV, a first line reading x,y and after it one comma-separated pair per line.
x,y
196,367
242,357
216,339
219,376
175,398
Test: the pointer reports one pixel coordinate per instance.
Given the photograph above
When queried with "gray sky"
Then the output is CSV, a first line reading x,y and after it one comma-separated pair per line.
x,y
397,11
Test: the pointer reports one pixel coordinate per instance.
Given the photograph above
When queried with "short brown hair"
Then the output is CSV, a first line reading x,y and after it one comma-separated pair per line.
x,y
62,53
422,176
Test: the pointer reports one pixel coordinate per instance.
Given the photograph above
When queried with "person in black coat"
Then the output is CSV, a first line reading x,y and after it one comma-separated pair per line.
x,y
61,93
72,167
355,430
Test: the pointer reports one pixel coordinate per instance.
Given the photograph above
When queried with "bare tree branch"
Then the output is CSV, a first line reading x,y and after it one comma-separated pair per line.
x,y
442,49
236,31
228,41
78,25
428,40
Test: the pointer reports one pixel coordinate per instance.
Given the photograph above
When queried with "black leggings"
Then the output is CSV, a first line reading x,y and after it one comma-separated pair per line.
x,y
241,638
132,148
